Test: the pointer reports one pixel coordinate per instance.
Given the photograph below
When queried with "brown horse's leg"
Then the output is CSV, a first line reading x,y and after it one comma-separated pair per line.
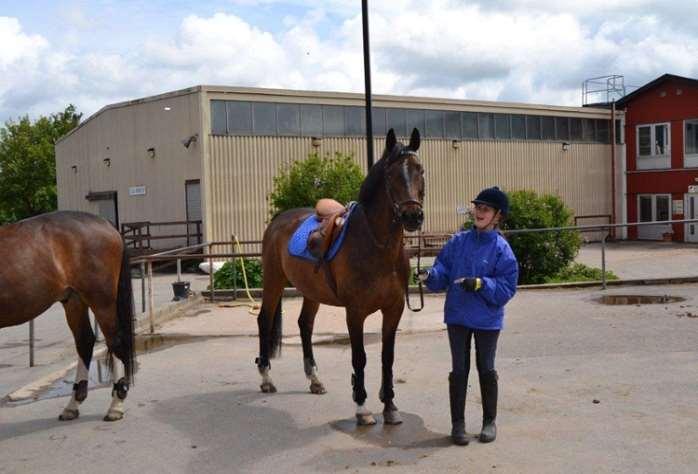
x,y
269,326
305,323
391,319
79,322
355,324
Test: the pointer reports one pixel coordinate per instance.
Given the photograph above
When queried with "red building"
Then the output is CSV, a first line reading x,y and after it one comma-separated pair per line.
x,y
661,136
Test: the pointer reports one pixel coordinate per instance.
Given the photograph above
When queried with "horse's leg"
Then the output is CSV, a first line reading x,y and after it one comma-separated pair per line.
x,y
106,317
355,324
391,318
79,322
269,335
305,323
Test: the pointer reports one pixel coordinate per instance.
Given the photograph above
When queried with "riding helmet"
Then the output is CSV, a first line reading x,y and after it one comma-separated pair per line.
x,y
493,197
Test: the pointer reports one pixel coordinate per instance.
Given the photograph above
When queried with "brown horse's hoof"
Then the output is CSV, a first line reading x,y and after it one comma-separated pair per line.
x,y
268,388
392,417
365,420
317,388
113,416
68,415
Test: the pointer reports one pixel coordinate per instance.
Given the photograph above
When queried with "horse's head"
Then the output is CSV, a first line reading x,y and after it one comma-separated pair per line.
x,y
404,180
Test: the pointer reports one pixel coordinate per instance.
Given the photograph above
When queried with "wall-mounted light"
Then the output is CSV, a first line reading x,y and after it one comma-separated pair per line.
x,y
107,161
565,146
151,152
455,144
74,168
316,141
192,139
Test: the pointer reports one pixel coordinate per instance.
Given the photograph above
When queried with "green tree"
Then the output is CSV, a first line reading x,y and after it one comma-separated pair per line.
x,y
28,163
303,182
543,254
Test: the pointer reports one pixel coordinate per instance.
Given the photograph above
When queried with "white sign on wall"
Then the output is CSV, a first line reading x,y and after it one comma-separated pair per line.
x,y
693,188
677,206
136,191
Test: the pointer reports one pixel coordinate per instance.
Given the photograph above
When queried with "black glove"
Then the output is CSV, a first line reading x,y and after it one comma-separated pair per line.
x,y
469,284
421,275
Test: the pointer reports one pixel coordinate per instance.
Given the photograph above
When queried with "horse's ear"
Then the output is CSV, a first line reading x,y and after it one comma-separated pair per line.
x,y
390,140
414,140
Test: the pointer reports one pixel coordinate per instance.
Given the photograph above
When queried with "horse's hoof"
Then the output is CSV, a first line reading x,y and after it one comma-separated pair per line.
x,y
317,388
365,420
113,416
392,417
68,415
268,388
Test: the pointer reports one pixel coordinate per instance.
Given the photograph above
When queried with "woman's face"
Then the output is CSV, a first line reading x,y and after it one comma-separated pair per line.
x,y
486,217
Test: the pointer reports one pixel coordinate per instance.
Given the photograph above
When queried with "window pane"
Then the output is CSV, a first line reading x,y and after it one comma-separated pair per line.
x,y
562,128
662,208
619,133
239,118
378,119
645,141
469,124
645,208
691,137
311,120
532,127
548,128
264,118
603,134
355,121
576,129
289,119
415,119
588,130
518,127
435,124
502,126
218,121
452,120
397,120
333,120
660,139
485,124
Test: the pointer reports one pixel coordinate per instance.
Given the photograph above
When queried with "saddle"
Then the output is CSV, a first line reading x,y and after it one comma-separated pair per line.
x,y
331,215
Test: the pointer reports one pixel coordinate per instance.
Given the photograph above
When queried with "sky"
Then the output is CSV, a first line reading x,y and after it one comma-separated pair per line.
x,y
98,52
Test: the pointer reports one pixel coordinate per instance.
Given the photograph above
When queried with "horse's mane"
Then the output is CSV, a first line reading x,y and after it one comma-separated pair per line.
x,y
376,176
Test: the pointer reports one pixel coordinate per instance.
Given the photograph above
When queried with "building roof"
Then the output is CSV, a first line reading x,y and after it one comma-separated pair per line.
x,y
623,101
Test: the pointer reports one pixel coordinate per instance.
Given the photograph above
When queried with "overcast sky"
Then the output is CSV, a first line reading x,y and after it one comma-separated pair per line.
x,y
93,53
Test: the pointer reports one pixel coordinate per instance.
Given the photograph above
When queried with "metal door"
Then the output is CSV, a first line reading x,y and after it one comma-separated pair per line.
x,y
691,212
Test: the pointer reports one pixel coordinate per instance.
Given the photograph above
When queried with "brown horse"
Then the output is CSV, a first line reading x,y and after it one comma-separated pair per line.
x,y
80,260
370,272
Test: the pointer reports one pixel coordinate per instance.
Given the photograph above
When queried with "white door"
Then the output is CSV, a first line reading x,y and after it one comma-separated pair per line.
x,y
690,211
651,208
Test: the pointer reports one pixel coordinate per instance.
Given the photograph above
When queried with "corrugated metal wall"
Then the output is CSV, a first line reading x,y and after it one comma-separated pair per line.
x,y
241,172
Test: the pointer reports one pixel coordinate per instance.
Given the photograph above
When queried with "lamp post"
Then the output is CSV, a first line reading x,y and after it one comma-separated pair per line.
x,y
367,80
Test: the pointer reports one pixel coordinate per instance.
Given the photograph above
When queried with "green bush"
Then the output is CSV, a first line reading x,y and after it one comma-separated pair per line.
x,y
230,276
303,183
541,255
579,272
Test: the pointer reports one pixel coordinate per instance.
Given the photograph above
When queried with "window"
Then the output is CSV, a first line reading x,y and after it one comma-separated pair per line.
x,y
452,120
562,128
415,119
218,118
264,118
333,117
576,129
435,124
239,118
289,119
653,146
397,120
518,127
502,126
311,120
653,208
619,132
378,119
355,121
603,134
469,124
690,137
485,125
532,127
548,128
588,130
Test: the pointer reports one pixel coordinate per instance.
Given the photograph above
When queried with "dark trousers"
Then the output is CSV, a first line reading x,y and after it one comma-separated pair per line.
x,y
459,338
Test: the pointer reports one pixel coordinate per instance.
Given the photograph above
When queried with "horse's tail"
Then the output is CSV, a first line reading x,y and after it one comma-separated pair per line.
x,y
124,346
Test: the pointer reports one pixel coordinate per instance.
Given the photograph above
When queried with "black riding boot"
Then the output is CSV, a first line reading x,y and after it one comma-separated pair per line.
x,y
457,385
488,390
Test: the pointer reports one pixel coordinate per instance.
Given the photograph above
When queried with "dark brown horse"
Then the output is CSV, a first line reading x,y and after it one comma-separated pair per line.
x,y
80,260
370,272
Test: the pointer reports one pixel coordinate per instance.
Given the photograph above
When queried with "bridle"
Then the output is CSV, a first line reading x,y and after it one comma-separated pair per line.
x,y
394,204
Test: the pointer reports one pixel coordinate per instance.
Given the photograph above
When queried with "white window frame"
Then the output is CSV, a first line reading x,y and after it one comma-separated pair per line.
x,y
654,160
653,232
689,160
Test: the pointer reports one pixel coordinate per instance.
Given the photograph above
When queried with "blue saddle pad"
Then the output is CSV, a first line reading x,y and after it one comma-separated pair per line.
x,y
298,245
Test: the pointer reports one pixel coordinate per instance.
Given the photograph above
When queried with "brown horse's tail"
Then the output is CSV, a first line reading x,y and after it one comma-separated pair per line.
x,y
124,346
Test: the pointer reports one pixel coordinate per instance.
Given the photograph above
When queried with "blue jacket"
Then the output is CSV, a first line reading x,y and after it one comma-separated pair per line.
x,y
475,254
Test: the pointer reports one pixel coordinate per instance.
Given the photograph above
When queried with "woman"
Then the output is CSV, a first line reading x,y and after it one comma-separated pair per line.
x,y
479,272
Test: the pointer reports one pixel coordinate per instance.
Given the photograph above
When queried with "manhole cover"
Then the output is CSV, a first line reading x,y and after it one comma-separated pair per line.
x,y
639,299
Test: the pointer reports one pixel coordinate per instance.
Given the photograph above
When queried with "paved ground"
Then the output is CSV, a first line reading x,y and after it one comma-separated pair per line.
x,y
584,388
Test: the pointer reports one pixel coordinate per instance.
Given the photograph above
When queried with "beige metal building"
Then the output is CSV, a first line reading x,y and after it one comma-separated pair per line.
x,y
211,153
